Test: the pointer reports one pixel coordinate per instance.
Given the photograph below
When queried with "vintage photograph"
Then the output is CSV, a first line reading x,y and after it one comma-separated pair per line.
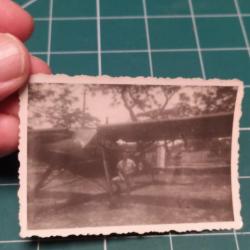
x,y
115,157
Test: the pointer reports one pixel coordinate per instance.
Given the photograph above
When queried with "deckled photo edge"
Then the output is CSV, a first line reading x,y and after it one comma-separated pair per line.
x,y
127,80
235,156
141,229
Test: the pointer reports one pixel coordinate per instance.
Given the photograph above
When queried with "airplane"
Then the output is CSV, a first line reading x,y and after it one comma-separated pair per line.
x,y
93,152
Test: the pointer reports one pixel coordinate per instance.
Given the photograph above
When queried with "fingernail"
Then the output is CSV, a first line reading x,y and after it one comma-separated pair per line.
x,y
11,58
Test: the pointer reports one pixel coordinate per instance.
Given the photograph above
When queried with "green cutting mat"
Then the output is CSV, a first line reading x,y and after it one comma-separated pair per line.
x,y
189,38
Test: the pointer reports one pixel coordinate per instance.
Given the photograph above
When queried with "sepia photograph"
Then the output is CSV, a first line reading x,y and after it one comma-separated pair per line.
x,y
126,156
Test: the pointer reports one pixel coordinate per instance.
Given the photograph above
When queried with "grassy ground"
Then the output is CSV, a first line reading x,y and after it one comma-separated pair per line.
x,y
185,193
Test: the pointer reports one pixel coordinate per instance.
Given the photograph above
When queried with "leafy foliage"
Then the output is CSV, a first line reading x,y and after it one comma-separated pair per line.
x,y
161,102
58,107
206,100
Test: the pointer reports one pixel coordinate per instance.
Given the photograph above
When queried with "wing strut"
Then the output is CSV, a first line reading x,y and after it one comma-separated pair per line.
x,y
106,171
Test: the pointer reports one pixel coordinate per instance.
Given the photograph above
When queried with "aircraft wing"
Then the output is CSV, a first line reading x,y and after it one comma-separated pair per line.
x,y
204,126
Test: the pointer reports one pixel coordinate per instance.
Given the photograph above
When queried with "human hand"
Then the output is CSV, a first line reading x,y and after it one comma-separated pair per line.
x,y
16,64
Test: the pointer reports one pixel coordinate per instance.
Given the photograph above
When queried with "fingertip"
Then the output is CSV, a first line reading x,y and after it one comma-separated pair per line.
x,y
15,20
39,66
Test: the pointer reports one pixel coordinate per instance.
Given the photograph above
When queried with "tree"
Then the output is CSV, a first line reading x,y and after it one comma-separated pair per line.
x,y
58,107
215,99
145,102
193,101
138,100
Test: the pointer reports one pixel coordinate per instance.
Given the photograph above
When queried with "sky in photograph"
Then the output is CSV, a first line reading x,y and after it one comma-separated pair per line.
x,y
100,107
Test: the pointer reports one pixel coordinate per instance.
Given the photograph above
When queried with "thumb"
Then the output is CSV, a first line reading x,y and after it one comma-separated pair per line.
x,y
14,65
